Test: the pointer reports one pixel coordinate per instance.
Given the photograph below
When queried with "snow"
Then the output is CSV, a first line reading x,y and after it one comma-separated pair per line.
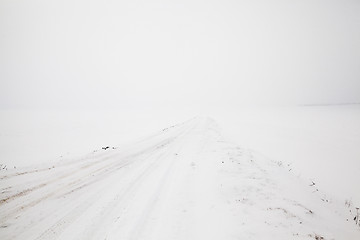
x,y
320,142
186,181
30,137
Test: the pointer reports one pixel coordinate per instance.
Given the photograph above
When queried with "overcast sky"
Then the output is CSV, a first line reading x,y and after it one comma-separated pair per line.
x,y
89,54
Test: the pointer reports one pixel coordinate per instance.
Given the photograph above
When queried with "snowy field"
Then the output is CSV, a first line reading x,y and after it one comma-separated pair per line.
x,y
320,142
285,173
188,120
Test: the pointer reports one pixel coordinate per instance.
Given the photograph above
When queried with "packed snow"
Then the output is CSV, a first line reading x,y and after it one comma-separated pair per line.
x,y
186,181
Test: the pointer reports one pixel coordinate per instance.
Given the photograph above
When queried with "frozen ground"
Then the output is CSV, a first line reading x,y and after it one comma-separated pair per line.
x,y
321,143
184,182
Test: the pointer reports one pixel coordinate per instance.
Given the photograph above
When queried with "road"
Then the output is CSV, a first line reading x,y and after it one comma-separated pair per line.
x,y
184,182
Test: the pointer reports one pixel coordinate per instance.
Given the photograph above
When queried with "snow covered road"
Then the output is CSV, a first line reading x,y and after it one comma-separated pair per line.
x,y
185,182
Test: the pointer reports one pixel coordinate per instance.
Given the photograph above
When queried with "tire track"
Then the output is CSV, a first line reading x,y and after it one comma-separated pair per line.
x,y
80,179
83,181
118,200
107,168
67,220
140,225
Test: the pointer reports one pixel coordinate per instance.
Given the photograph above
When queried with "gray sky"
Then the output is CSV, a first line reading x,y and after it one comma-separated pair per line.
x,y
88,54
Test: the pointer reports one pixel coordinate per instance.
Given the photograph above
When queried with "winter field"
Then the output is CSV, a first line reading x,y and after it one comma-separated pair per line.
x,y
284,173
179,120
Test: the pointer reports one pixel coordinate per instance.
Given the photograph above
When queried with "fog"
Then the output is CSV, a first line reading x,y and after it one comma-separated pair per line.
x,y
184,54
79,75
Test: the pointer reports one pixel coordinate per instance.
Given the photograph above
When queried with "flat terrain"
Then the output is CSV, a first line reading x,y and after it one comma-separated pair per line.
x,y
184,182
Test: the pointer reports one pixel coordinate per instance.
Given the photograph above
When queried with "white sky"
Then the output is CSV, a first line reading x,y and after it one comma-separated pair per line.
x,y
88,54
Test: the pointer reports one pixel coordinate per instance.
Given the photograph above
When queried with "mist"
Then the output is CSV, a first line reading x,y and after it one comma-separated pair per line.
x,y
184,54
99,119
79,75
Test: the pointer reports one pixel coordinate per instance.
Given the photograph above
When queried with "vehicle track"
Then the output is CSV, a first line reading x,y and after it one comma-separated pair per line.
x,y
80,179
